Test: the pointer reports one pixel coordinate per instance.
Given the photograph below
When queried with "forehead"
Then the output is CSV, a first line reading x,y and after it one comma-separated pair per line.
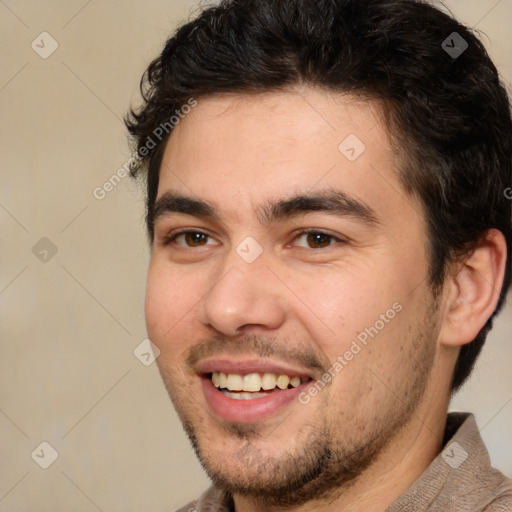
x,y
239,151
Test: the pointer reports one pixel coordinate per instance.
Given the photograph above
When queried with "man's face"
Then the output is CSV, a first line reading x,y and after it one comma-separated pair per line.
x,y
248,299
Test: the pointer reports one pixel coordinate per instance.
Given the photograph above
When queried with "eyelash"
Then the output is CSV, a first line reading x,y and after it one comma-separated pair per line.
x,y
171,238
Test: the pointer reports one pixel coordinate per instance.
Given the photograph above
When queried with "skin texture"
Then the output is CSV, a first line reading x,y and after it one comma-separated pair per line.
x,y
365,437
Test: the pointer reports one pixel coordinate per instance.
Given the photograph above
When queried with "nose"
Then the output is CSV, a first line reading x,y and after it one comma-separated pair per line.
x,y
243,295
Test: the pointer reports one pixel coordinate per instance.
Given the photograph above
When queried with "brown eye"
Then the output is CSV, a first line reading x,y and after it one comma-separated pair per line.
x,y
195,239
315,240
190,239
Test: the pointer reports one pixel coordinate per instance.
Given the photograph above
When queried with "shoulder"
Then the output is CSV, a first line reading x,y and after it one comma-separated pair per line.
x,y
502,501
461,478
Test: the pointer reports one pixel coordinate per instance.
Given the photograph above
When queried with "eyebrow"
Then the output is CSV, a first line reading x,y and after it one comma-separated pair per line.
x,y
332,202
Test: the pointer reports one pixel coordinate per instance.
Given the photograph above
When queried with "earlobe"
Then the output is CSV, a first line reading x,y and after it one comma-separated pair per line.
x,y
473,289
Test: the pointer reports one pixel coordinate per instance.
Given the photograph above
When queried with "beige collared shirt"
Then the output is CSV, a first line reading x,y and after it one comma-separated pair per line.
x,y
459,479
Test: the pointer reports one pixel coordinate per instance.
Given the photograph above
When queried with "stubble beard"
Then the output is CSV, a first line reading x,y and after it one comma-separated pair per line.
x,y
327,461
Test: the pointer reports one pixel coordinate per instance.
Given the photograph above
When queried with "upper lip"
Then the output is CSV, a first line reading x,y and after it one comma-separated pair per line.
x,y
246,366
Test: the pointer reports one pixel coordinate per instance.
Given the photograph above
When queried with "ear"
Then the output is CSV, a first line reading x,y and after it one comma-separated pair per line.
x,y
473,289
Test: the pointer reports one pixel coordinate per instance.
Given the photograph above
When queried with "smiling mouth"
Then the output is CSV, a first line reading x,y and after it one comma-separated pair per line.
x,y
253,385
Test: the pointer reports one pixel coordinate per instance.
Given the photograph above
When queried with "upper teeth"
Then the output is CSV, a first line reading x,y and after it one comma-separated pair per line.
x,y
253,381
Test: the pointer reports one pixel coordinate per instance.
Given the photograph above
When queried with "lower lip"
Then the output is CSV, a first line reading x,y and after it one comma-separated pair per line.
x,y
248,411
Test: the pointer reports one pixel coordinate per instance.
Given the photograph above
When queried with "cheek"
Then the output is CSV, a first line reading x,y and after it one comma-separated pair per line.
x,y
170,299
157,299
341,306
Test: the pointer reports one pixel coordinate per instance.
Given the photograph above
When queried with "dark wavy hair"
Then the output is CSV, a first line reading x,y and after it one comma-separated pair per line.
x,y
448,115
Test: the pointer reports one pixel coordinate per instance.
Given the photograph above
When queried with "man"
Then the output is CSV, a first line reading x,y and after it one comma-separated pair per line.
x,y
330,241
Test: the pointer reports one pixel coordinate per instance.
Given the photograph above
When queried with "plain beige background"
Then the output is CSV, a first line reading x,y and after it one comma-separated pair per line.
x,y
70,323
